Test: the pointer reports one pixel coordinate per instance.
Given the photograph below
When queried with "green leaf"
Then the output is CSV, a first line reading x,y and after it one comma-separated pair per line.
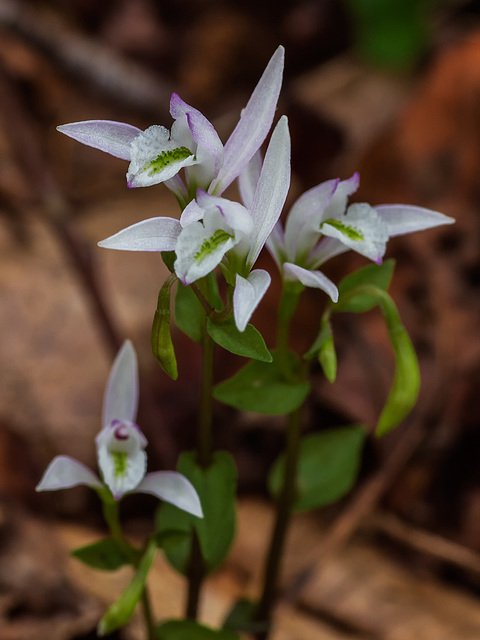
x,y
169,258
161,340
105,555
191,630
241,617
170,537
248,343
120,612
189,313
216,487
324,349
263,388
406,383
377,275
327,467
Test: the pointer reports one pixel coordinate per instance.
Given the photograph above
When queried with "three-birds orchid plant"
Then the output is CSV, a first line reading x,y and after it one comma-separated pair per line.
x,y
215,232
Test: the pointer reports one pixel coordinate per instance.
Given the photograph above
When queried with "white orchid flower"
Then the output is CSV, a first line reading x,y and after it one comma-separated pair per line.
x,y
121,449
320,226
157,155
214,231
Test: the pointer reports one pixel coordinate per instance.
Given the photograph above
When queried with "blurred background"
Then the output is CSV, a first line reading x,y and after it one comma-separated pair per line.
x,y
389,88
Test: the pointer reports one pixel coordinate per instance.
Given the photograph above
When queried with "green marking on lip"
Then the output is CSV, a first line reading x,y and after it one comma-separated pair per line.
x,y
212,243
165,159
346,229
120,463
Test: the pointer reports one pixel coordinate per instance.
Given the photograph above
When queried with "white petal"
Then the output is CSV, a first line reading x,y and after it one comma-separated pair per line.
x,y
120,401
201,246
154,234
156,157
65,472
302,228
112,137
248,179
338,203
308,278
254,124
202,130
248,294
121,456
364,220
402,218
272,188
276,244
172,487
192,213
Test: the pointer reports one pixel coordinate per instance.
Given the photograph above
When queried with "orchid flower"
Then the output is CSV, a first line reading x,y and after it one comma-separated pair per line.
x,y
157,155
320,226
214,231
121,449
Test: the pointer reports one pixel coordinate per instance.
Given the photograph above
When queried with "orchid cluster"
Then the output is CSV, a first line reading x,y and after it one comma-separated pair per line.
x,y
215,236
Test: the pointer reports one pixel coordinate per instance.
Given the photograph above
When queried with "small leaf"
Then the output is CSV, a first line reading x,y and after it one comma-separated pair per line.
x,y
169,258
324,349
120,612
327,467
189,313
406,384
105,555
191,630
161,340
248,343
216,488
377,275
263,388
241,617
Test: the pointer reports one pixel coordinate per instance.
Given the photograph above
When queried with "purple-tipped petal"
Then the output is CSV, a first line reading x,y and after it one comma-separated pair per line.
x,y
172,487
315,279
403,218
65,472
248,294
202,130
120,401
272,188
253,126
112,137
248,179
302,228
154,234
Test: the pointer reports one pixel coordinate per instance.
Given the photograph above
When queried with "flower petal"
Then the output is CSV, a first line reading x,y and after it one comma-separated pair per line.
x,y
247,295
403,218
65,472
272,188
112,137
361,229
253,126
308,278
276,244
203,131
302,228
120,401
172,487
154,234
121,456
157,157
248,179
201,246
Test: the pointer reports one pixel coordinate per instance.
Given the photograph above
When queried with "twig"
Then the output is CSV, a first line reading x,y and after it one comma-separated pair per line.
x,y
428,543
85,58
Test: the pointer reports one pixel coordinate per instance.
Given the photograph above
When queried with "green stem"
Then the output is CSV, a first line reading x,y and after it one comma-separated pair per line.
x,y
285,503
110,511
196,568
